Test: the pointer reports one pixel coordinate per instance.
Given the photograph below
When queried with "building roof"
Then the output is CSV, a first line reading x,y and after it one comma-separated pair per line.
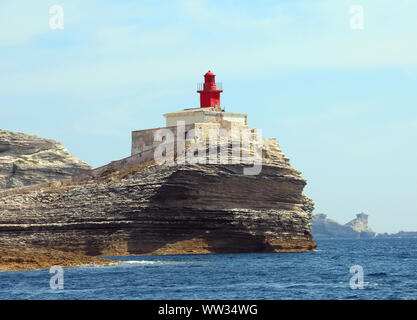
x,y
211,110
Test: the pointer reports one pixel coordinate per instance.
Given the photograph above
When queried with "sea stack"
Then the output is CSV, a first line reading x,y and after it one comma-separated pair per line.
x,y
323,227
204,183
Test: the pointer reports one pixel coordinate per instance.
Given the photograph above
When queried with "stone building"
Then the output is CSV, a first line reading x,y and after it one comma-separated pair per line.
x,y
196,124
210,115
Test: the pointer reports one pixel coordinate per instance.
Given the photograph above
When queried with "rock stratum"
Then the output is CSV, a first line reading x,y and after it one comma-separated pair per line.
x,y
165,209
323,227
24,257
28,160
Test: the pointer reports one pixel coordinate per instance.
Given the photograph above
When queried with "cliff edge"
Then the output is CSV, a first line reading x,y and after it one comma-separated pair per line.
x,y
28,160
165,209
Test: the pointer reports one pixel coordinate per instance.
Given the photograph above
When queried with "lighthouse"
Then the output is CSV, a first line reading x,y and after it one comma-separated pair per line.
x,y
209,91
209,116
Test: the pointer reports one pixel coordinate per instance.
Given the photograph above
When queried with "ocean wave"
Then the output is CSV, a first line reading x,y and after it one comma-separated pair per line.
x,y
156,262
143,262
97,265
377,274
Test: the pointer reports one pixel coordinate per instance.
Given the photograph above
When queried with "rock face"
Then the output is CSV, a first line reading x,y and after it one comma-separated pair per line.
x,y
27,160
401,234
165,209
327,228
360,224
26,258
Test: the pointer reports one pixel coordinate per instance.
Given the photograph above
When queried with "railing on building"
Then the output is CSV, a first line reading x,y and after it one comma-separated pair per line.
x,y
209,86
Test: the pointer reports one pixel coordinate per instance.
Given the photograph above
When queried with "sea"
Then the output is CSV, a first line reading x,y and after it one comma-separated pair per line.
x,y
339,269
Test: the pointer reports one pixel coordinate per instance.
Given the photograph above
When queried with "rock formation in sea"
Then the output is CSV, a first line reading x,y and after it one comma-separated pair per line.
x,y
323,227
401,234
28,160
226,190
165,209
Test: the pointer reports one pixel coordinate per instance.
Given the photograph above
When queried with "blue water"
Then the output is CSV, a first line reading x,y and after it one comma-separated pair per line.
x,y
389,266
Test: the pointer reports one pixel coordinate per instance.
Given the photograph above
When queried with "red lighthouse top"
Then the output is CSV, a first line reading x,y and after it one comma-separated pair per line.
x,y
209,93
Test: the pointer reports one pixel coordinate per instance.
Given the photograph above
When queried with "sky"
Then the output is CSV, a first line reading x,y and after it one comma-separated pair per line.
x,y
340,100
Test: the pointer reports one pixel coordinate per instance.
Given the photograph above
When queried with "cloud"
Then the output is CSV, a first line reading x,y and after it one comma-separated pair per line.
x,y
20,22
112,45
226,17
329,115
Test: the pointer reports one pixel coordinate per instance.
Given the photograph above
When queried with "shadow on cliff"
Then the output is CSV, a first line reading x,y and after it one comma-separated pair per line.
x,y
189,238
194,211
177,225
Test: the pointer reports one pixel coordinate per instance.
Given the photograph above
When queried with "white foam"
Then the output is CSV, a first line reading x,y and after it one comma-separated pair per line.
x,y
143,262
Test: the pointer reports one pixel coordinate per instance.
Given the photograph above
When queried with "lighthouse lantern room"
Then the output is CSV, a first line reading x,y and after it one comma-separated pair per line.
x,y
209,91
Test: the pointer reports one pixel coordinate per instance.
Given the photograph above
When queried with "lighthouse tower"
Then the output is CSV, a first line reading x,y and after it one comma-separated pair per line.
x,y
209,116
209,91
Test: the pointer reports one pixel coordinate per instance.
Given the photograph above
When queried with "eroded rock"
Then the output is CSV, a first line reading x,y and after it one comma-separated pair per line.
x,y
167,209
29,160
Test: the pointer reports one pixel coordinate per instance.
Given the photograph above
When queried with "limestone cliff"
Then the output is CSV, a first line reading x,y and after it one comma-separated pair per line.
x,y
360,224
327,228
28,160
166,209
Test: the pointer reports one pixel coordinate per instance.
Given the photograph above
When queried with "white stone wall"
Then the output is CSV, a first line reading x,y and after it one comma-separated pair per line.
x,y
188,118
235,117
203,115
